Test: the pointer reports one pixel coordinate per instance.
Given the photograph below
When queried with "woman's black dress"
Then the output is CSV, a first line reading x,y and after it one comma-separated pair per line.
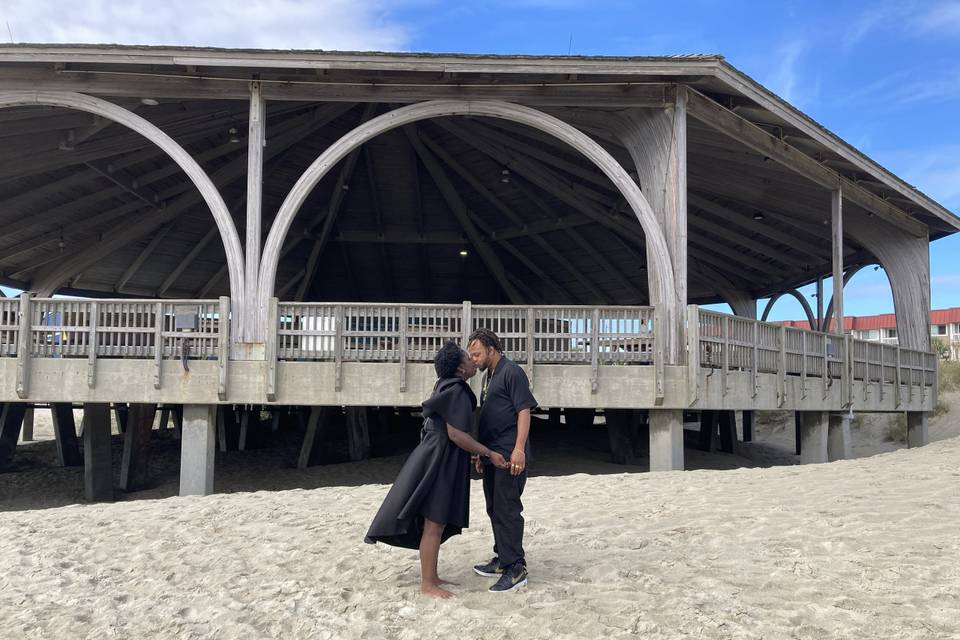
x,y
434,482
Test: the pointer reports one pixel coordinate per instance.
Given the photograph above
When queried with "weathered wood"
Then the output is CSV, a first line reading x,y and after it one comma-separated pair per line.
x,y
27,434
228,428
97,456
836,235
11,419
312,437
625,434
136,447
122,413
197,450
358,433
65,434
256,139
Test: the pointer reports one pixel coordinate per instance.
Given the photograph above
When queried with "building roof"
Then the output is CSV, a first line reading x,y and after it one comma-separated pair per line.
x,y
883,320
202,93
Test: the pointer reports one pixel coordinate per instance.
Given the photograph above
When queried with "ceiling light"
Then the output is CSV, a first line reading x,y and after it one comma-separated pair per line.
x,y
505,176
233,135
463,253
150,102
758,215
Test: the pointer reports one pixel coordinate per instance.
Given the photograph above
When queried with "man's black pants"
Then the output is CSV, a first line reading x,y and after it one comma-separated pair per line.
x,y
502,492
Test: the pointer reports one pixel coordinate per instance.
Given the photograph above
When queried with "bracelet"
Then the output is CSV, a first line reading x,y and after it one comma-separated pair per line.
x,y
486,454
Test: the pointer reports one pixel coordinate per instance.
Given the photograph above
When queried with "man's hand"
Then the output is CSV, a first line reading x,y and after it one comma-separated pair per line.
x,y
477,463
518,462
498,460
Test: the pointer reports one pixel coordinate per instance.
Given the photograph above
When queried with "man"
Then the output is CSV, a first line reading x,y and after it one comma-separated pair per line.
x,y
505,404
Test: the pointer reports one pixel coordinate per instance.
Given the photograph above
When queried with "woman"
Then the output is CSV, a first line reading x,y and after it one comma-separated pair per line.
x,y
430,499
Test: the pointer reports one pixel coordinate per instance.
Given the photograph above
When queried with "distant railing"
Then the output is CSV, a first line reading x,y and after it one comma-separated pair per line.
x,y
731,343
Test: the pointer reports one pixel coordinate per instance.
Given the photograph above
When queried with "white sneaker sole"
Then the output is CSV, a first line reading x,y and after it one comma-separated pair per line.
x,y
486,574
520,584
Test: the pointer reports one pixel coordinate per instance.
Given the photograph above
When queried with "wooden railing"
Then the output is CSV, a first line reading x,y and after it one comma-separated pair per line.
x,y
731,343
163,330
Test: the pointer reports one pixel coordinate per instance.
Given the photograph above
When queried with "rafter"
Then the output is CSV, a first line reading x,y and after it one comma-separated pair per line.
x,y
388,275
142,257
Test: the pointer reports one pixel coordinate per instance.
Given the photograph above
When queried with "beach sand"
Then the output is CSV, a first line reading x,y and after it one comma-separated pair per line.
x,y
862,548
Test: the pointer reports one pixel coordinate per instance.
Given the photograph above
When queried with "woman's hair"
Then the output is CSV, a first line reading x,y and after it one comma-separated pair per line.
x,y
487,338
447,360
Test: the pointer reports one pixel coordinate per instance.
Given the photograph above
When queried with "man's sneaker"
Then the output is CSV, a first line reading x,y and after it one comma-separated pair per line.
x,y
491,569
514,577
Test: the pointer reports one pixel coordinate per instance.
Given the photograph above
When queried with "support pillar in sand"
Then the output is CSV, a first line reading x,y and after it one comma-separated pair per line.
x,y
198,446
136,447
358,433
746,419
65,432
814,427
27,434
625,429
97,466
11,418
917,434
838,437
312,437
666,440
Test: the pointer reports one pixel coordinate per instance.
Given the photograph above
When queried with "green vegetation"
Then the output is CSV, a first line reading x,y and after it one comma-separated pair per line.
x,y
897,429
949,376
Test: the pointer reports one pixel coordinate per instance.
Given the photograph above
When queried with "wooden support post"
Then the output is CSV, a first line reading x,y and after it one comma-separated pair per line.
x,y
245,416
727,425
122,411
65,432
403,348
158,346
726,354
338,347
846,372
256,140
92,348
178,422
838,437
660,327
531,344
755,365
623,434
814,427
272,334
826,367
228,431
312,437
275,420
223,344
358,433
164,418
24,348
197,450
466,320
803,365
836,218
27,434
693,355
746,419
917,433
11,418
97,456
708,428
594,350
666,440
136,447
819,326
782,366
797,432
896,382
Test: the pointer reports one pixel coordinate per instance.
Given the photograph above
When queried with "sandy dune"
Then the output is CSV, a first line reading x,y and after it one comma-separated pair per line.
x,y
863,548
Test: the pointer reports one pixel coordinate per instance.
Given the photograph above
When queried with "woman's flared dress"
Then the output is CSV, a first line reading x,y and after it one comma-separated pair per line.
x,y
434,482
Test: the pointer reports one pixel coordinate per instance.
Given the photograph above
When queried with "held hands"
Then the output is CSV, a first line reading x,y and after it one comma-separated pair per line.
x,y
518,462
498,460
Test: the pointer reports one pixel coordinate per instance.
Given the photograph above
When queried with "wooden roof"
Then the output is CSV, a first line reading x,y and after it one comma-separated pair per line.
x,y
68,179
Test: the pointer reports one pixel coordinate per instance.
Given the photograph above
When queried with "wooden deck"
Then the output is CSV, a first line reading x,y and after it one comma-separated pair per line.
x,y
180,351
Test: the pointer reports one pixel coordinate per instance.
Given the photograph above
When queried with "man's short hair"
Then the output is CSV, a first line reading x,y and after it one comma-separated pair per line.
x,y
487,338
447,360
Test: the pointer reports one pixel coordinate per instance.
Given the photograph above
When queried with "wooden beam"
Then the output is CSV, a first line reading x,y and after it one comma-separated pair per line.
x,y
142,257
387,274
337,197
836,242
459,210
256,139
425,275
185,263
741,129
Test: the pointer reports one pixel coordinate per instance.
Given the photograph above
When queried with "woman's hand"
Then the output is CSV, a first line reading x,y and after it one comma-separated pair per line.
x,y
498,460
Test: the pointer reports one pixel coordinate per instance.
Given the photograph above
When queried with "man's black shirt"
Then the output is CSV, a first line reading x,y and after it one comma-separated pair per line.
x,y
506,392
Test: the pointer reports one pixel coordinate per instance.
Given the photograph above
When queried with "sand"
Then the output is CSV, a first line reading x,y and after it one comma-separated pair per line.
x,y
862,548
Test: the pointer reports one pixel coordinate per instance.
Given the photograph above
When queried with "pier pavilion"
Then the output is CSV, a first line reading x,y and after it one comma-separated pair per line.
x,y
257,229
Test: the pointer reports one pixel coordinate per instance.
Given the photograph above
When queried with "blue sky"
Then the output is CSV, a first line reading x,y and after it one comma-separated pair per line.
x,y
885,76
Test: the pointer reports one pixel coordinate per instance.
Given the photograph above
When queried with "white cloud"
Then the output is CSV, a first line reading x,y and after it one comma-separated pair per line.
x,y
269,24
783,81
943,18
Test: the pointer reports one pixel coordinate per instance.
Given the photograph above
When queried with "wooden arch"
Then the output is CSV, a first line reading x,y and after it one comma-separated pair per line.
x,y
115,113
803,303
657,253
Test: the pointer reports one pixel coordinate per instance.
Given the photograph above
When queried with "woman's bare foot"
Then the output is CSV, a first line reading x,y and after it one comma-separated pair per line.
x,y
435,591
441,581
